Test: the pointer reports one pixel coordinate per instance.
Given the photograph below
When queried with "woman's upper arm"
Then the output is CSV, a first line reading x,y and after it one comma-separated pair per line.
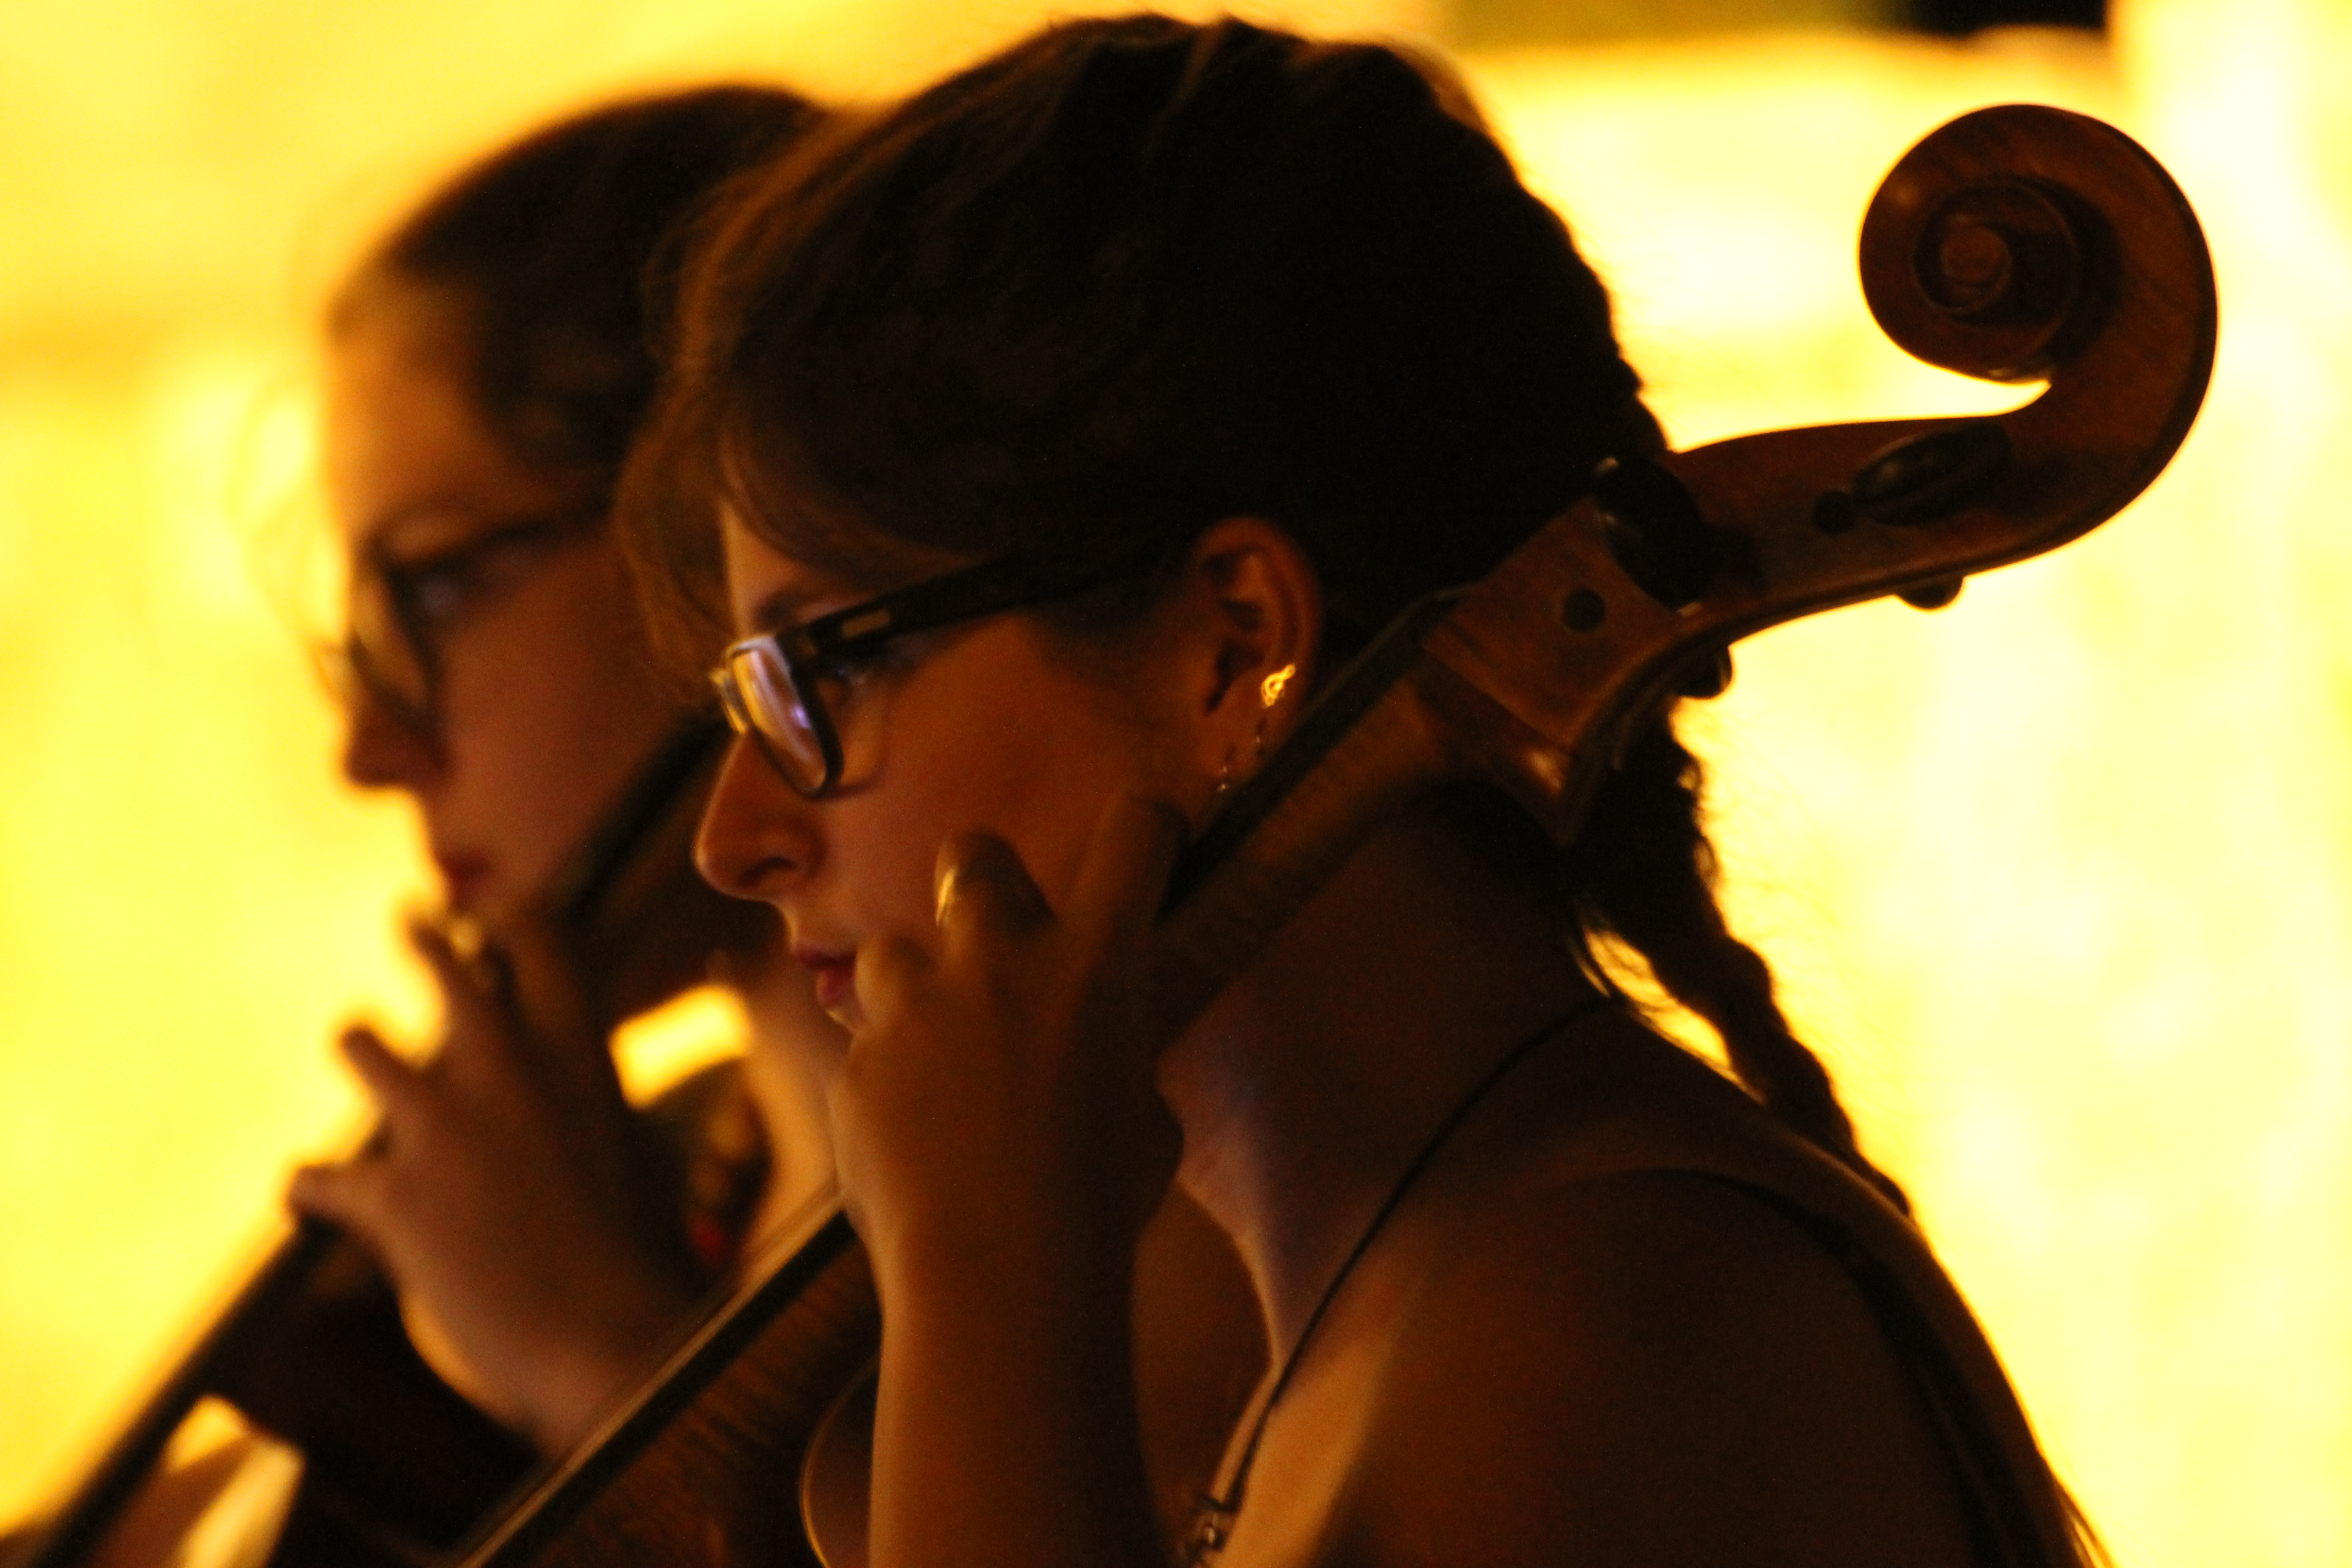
x,y
1649,1368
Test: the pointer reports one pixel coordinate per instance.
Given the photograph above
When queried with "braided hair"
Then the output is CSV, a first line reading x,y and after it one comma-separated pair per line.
x,y
1645,871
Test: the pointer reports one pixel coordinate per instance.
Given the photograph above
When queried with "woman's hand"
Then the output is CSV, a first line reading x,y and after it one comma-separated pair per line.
x,y
509,1192
1002,1144
1002,1084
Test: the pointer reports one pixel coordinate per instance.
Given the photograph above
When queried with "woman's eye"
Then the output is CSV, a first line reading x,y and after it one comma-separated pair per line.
x,y
438,589
843,674
435,592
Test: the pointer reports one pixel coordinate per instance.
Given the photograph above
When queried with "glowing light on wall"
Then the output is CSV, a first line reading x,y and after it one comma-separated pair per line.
x,y
2060,876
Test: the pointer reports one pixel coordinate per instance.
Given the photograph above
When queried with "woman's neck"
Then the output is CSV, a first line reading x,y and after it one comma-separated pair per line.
x,y
1308,1086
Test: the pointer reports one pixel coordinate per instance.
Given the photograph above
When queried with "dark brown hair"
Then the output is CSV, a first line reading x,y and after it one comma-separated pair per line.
x,y
556,252
1134,276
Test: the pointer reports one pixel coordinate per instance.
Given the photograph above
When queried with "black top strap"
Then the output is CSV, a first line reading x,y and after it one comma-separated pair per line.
x,y
2002,1533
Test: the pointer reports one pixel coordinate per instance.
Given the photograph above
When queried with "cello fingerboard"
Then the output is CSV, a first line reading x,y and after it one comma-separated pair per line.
x,y
701,1468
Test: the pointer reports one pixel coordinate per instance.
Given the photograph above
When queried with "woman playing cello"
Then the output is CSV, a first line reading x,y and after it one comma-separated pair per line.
x,y
1066,427
489,363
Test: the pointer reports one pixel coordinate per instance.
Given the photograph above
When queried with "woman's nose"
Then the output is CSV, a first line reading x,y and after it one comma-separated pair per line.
x,y
755,837
381,748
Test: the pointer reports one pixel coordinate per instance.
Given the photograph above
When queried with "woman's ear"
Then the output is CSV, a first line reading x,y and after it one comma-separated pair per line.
x,y
1255,623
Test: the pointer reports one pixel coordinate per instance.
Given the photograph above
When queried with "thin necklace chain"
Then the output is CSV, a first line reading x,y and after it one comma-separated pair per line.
x,y
1212,1522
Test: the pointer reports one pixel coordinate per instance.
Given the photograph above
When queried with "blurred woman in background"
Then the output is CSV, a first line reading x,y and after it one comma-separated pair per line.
x,y
489,364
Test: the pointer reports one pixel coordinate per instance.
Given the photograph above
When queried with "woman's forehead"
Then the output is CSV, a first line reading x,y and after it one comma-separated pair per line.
x,y
409,462
817,560
399,442
768,588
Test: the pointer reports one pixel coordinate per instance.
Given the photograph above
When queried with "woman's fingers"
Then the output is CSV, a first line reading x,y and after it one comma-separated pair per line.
x,y
979,884
476,987
992,914
514,1006
347,1194
547,988
1001,1076
394,1084
352,1193
479,1055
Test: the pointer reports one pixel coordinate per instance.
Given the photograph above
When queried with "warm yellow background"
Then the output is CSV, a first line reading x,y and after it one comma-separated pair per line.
x,y
2059,876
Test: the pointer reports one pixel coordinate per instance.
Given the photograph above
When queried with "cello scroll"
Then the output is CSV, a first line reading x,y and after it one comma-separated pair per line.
x,y
2016,243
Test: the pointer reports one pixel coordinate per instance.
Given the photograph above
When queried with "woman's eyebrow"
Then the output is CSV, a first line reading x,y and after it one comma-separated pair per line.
x,y
423,526
435,526
785,607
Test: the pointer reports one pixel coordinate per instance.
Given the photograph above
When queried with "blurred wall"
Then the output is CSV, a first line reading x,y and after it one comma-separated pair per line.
x,y
2058,877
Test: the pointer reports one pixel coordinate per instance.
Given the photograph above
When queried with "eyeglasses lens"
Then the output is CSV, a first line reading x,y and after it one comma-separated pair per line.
x,y
377,659
773,709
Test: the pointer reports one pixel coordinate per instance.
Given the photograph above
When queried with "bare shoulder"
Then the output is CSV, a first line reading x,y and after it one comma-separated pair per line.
x,y
1645,1368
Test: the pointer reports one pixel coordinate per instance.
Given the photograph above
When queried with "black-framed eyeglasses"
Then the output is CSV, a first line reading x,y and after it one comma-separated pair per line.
x,y
400,610
774,688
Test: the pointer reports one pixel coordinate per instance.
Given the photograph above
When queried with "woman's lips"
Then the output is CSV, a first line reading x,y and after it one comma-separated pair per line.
x,y
464,876
836,977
